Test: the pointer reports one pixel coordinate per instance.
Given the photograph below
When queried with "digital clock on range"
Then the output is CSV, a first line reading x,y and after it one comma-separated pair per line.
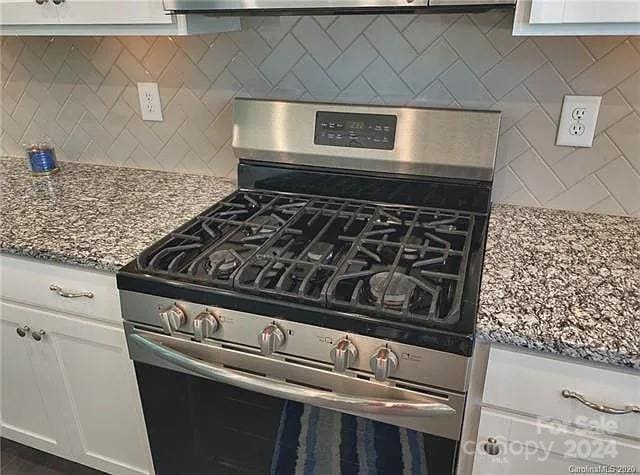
x,y
355,125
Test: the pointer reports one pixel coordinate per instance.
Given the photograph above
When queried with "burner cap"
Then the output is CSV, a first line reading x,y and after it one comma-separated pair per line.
x,y
400,288
412,253
224,261
263,224
320,251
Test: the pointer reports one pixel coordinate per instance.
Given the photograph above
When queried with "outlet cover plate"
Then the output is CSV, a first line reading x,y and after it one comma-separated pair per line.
x,y
591,106
149,97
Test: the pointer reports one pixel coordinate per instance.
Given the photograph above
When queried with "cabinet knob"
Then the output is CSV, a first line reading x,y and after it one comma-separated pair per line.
x,y
41,2
491,446
58,2
22,331
38,335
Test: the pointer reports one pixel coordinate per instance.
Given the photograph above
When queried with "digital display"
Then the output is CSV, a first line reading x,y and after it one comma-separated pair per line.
x,y
351,129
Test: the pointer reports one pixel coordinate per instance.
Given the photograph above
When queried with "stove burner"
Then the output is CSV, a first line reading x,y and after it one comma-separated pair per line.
x,y
264,224
395,262
320,252
400,289
223,262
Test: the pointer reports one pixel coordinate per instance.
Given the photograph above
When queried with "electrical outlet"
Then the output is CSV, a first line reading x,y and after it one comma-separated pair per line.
x,y
149,96
576,128
578,113
578,120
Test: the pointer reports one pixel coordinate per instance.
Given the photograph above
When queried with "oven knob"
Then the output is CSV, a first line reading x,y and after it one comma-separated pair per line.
x,y
383,362
270,339
343,355
204,325
172,318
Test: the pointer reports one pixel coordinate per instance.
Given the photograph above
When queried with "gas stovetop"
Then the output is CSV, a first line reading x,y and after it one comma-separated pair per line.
x,y
391,261
366,220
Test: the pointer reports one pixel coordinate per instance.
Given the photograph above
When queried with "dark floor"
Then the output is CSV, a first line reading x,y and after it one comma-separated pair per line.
x,y
17,459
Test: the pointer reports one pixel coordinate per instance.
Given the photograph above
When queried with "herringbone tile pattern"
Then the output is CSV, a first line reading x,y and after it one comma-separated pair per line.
x,y
81,93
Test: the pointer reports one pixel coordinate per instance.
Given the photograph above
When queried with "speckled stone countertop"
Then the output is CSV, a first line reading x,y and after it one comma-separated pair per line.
x,y
563,282
555,281
95,216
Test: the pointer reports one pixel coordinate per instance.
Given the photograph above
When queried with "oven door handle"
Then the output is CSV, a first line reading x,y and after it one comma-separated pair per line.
x,y
284,390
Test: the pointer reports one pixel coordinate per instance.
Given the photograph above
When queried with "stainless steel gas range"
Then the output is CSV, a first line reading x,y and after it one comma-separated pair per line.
x,y
320,319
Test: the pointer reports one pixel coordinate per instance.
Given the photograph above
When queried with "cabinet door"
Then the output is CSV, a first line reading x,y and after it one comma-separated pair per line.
x,y
521,460
600,11
27,12
513,444
26,395
110,12
101,390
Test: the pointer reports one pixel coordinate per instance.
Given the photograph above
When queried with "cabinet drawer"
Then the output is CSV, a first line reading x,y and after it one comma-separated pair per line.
x,y
29,281
528,446
532,384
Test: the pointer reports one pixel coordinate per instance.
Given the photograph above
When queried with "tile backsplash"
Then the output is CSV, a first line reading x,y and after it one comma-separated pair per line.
x,y
80,92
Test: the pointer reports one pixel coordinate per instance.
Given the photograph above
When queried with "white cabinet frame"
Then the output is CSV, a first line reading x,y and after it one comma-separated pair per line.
x,y
104,17
576,17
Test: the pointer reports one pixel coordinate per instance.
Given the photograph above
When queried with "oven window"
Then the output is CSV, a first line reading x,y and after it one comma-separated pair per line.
x,y
199,426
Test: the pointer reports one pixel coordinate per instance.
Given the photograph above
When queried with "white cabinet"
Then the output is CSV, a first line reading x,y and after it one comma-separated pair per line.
x,y
27,415
47,281
572,11
27,12
82,12
103,17
68,385
573,17
528,425
533,384
526,446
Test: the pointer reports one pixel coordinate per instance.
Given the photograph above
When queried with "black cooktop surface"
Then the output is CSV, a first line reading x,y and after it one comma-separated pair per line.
x,y
391,261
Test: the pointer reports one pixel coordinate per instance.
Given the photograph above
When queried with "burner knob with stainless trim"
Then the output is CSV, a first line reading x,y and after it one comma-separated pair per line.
x,y
343,355
270,339
204,325
383,362
172,318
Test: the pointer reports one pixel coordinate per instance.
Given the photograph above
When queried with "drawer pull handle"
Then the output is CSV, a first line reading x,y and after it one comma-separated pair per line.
x,y
599,407
68,294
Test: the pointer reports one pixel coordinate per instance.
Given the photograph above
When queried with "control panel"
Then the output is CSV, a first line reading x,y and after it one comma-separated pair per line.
x,y
345,351
342,129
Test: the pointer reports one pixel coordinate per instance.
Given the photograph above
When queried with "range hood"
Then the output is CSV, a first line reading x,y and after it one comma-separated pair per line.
x,y
320,7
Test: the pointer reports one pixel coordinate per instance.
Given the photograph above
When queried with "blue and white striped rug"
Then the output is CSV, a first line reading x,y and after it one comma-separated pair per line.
x,y
313,441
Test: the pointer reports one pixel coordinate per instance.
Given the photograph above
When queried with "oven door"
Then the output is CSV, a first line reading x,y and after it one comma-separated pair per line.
x,y
212,408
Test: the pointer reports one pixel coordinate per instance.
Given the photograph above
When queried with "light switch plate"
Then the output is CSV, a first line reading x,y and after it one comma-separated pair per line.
x,y
150,106
578,120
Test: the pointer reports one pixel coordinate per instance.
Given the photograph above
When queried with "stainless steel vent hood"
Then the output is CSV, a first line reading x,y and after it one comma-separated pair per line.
x,y
319,7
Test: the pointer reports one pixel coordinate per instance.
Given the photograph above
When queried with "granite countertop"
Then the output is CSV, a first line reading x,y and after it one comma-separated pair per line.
x,y
563,282
555,281
96,216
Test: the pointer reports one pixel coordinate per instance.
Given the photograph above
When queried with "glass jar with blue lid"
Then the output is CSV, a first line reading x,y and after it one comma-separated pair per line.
x,y
42,158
